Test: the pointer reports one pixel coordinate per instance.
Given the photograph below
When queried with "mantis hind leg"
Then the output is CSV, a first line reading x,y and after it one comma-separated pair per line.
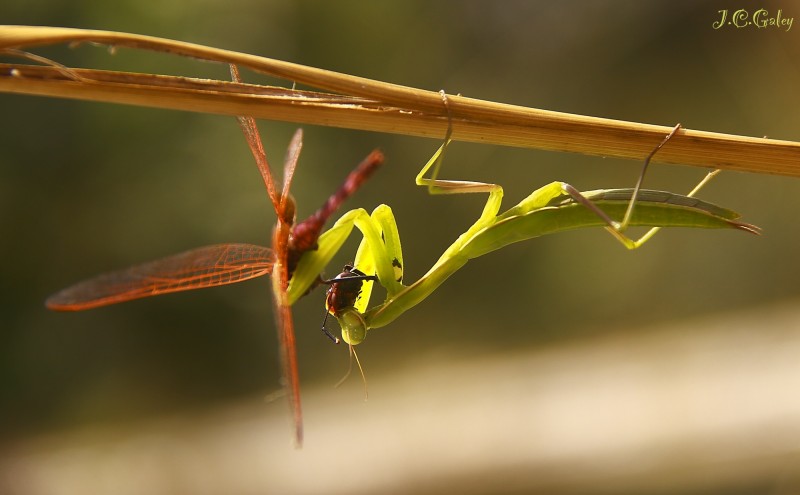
x,y
617,229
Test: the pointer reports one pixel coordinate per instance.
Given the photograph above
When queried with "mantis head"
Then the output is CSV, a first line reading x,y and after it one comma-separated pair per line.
x,y
354,328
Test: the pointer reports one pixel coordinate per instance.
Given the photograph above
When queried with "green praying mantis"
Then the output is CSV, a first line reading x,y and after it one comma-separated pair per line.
x,y
553,208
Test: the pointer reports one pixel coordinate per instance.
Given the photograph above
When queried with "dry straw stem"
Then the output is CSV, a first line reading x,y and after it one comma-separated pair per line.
x,y
360,103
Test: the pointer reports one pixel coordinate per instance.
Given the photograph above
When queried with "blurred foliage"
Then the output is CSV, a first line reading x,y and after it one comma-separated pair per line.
x,y
88,187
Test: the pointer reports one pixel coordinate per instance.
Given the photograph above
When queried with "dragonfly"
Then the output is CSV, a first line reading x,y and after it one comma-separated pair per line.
x,y
300,252
223,264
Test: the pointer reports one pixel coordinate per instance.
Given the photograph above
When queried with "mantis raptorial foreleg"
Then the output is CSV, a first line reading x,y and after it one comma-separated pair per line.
x,y
375,229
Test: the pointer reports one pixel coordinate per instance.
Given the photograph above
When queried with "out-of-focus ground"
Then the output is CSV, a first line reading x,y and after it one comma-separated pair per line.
x,y
700,406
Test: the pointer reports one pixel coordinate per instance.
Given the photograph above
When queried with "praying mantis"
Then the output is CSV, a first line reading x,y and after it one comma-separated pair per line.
x,y
300,252
553,208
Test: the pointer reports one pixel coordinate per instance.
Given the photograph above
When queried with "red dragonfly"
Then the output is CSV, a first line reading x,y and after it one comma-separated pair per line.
x,y
222,264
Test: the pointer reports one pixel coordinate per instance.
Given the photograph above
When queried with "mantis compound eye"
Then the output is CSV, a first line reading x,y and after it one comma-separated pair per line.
x,y
354,328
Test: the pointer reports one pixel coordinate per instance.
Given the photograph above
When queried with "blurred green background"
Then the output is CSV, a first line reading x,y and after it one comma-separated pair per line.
x,y
88,187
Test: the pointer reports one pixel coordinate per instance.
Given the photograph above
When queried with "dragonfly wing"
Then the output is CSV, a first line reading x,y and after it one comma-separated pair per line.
x,y
288,354
250,129
208,266
285,327
290,163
